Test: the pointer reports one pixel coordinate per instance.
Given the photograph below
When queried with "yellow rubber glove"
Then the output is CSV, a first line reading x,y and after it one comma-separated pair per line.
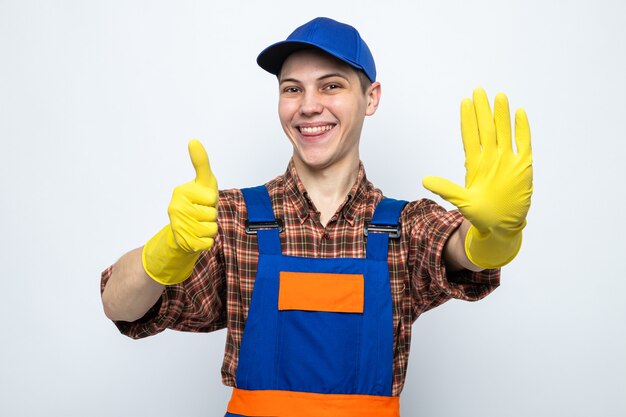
x,y
498,181
169,256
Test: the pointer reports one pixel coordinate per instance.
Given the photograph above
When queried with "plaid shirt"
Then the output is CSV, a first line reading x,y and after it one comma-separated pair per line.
x,y
218,293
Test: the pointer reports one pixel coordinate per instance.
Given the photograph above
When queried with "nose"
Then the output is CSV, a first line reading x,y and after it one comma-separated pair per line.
x,y
311,103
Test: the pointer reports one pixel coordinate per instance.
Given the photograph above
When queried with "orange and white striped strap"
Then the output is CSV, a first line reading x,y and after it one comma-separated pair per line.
x,y
274,403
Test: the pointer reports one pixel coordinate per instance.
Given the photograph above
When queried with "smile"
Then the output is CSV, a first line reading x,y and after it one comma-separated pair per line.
x,y
314,130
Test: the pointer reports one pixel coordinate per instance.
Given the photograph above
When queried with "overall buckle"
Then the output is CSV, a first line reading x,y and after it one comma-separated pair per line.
x,y
253,227
392,230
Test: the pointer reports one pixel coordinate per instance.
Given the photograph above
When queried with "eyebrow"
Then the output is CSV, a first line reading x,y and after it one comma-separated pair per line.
x,y
323,77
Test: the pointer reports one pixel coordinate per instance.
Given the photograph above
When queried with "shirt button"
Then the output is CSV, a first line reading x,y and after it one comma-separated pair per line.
x,y
325,236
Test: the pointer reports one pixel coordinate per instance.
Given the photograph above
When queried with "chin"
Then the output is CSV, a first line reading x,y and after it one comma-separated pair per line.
x,y
315,162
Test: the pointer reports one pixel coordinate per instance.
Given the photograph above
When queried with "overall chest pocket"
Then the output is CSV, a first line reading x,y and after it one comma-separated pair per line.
x,y
319,331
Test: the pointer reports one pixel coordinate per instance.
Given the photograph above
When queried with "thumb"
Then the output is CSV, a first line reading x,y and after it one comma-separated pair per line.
x,y
446,189
200,161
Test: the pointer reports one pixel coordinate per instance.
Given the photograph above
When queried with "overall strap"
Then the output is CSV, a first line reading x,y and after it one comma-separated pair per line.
x,y
384,225
261,220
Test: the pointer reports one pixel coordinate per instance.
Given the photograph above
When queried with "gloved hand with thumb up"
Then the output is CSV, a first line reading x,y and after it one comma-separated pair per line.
x,y
169,256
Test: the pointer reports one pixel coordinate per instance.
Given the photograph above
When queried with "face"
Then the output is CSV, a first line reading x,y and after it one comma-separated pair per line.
x,y
322,107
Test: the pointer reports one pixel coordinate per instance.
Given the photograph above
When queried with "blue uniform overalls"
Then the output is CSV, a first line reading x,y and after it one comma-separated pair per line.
x,y
318,340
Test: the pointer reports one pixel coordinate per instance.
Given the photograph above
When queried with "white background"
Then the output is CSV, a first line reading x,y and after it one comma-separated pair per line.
x,y
99,98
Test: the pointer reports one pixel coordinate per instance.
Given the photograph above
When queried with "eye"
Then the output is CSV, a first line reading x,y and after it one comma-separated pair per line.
x,y
332,86
291,90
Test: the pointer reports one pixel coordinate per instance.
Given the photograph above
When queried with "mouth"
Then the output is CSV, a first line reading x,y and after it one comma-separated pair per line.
x,y
315,130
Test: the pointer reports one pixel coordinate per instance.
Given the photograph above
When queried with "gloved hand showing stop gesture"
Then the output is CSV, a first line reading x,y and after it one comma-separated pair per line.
x,y
169,257
498,181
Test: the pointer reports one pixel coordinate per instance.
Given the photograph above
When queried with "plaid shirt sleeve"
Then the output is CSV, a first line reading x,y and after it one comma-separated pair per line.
x,y
197,304
419,279
430,226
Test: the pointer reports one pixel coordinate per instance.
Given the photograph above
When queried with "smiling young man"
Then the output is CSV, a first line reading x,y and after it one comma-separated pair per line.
x,y
315,274
322,107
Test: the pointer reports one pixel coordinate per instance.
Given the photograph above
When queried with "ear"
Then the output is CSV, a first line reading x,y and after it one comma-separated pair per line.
x,y
373,98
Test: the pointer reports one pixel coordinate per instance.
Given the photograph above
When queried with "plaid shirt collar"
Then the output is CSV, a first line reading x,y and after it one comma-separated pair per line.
x,y
296,195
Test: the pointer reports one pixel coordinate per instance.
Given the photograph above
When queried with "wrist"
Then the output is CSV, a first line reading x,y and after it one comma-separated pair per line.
x,y
164,261
493,249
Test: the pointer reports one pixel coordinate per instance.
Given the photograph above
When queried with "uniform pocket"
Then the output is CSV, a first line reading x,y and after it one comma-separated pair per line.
x,y
320,326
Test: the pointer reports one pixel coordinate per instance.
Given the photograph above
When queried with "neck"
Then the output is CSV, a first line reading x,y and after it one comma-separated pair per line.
x,y
328,187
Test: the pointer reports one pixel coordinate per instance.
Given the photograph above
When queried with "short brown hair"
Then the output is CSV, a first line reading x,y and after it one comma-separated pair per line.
x,y
363,80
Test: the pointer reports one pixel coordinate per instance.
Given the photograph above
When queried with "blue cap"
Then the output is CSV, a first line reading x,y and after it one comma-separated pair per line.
x,y
338,39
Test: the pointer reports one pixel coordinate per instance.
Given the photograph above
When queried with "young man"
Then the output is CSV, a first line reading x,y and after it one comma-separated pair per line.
x,y
316,276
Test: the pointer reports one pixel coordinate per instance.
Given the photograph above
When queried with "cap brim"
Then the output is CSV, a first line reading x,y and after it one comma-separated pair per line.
x,y
271,59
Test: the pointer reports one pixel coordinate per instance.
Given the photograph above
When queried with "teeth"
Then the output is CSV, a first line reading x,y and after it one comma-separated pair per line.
x,y
316,129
